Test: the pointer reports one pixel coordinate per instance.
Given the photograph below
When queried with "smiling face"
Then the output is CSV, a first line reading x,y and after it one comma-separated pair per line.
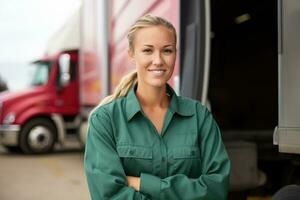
x,y
154,54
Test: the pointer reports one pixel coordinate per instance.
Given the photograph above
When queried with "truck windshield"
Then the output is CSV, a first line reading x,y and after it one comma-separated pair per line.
x,y
41,73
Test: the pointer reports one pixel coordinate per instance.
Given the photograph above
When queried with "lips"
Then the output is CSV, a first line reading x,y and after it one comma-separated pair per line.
x,y
157,72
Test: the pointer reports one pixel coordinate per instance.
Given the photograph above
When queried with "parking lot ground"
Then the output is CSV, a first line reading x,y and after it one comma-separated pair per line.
x,y
55,176
59,176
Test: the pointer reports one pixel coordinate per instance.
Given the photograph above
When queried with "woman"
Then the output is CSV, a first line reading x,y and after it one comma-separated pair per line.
x,y
144,141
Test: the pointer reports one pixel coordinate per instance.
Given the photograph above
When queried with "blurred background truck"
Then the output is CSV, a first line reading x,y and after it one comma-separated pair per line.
x,y
240,58
34,119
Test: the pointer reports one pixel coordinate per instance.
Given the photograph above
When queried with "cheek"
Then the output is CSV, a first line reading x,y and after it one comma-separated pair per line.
x,y
142,63
141,67
171,62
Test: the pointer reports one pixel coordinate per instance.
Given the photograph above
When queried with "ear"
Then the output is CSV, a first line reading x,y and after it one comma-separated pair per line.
x,y
131,55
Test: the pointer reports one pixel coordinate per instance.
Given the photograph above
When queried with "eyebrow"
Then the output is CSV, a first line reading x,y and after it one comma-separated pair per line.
x,y
168,45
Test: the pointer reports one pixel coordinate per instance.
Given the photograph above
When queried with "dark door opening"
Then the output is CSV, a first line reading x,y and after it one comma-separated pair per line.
x,y
243,86
243,73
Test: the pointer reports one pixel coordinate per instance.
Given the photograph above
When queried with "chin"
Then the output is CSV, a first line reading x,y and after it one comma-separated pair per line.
x,y
157,83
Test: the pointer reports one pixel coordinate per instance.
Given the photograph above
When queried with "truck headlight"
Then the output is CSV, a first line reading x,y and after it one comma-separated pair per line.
x,y
9,118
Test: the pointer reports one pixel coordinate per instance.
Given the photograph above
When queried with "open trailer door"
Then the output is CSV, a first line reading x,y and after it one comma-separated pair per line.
x,y
195,48
287,133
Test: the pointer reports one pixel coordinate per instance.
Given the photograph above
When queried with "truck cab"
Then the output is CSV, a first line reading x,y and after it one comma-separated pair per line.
x,y
38,117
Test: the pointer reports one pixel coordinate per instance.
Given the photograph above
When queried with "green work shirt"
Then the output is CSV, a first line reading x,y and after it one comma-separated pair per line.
x,y
186,161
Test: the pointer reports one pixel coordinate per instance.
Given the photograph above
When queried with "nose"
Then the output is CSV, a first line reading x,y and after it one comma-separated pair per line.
x,y
157,59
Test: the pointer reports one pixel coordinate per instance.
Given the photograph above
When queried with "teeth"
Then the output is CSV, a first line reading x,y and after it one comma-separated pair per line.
x,y
157,72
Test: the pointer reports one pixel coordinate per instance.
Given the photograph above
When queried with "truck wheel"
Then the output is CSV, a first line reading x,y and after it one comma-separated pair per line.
x,y
38,136
83,133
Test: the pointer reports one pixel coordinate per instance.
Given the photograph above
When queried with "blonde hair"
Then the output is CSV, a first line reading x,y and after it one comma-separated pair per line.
x,y
146,21
126,83
130,79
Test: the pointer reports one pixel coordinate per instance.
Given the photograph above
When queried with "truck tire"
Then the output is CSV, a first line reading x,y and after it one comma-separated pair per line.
x,y
38,136
83,133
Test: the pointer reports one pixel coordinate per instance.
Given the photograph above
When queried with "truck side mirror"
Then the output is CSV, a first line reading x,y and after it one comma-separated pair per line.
x,y
64,69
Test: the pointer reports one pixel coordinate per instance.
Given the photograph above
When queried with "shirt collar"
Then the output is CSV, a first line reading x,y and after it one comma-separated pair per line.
x,y
132,103
177,104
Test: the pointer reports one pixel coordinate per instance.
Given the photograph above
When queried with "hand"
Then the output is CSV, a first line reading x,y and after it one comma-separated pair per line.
x,y
134,182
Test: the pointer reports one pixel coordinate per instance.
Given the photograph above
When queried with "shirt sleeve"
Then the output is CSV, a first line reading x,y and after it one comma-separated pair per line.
x,y
104,171
214,181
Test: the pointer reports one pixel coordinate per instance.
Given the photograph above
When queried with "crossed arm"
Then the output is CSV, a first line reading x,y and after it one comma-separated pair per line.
x,y
134,182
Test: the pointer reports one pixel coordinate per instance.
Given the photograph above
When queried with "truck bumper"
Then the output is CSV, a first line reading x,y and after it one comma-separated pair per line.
x,y
9,135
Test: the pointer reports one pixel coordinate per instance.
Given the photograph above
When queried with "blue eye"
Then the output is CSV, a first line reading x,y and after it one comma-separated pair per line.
x,y
168,51
147,50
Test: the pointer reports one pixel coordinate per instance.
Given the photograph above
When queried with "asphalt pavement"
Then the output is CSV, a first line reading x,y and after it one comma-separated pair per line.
x,y
55,176
59,176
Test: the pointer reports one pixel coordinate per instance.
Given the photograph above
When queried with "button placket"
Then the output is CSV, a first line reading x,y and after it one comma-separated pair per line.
x,y
164,163
193,153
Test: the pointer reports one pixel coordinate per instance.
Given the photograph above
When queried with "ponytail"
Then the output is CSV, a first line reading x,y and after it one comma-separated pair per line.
x,y
122,89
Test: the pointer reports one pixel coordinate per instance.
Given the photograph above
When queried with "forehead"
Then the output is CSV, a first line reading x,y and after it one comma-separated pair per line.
x,y
154,35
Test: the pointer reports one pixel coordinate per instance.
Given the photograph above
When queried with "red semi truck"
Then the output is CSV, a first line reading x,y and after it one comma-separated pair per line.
x,y
48,111
36,118
227,59
72,77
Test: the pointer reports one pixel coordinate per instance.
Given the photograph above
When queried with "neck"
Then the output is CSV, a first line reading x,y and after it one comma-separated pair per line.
x,y
152,96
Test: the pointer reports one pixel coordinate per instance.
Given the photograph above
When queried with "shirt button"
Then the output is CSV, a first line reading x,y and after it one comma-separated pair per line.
x,y
131,152
163,159
193,153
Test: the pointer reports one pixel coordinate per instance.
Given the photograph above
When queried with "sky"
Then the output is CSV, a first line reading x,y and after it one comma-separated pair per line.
x,y
25,28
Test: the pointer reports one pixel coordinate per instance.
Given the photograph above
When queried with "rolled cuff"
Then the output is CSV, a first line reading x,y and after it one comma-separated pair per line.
x,y
150,185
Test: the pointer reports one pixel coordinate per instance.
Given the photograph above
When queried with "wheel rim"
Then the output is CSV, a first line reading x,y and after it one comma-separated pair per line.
x,y
39,138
